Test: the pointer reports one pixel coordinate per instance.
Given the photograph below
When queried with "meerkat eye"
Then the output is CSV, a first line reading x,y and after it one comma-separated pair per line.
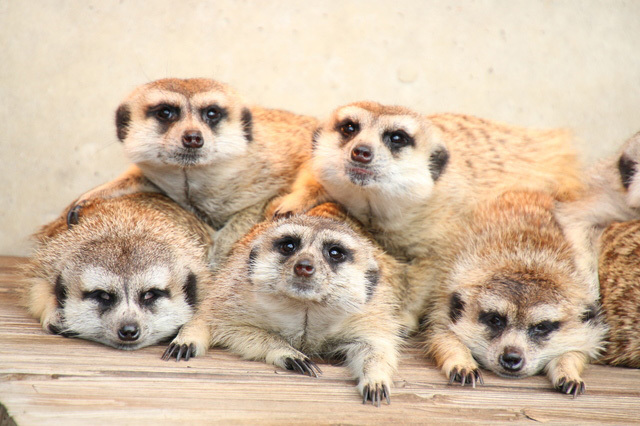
x,y
348,128
287,245
151,295
212,114
397,139
165,113
543,328
336,253
100,296
493,320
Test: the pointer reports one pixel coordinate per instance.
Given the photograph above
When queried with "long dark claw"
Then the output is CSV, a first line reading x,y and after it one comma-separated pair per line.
x,y
473,377
479,377
378,396
180,352
365,394
303,366
386,394
463,377
169,352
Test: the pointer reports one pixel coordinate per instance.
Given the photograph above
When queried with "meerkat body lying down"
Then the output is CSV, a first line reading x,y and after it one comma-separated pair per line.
x,y
514,301
198,142
127,275
620,292
303,287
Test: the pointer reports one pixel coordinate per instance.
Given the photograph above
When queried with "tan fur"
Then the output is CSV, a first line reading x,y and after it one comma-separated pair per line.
x,y
417,199
604,201
620,292
515,266
261,310
128,247
250,156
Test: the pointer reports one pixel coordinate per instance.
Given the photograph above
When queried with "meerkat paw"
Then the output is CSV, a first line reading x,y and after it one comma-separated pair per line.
x,y
192,340
466,375
375,391
289,205
564,373
302,365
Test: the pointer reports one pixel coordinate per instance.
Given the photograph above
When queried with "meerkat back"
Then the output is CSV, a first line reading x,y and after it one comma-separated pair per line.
x,y
126,275
619,270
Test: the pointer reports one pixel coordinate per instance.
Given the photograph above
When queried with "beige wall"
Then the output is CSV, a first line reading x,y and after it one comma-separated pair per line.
x,y
65,65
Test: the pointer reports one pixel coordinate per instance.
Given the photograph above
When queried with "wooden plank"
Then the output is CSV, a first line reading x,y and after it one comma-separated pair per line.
x,y
47,379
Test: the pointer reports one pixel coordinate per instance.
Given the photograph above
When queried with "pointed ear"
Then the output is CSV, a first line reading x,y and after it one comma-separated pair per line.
x,y
627,168
247,124
438,162
123,119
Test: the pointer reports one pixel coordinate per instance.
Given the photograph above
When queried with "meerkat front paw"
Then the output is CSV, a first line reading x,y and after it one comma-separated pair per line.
x,y
289,205
463,376
192,340
302,365
570,387
564,372
177,350
375,392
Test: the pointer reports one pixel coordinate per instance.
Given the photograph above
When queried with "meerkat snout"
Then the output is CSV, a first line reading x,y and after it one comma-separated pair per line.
x,y
362,154
129,332
192,139
512,359
304,268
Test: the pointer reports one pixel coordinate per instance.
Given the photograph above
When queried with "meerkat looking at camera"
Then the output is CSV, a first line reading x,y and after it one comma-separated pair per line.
x,y
127,275
612,194
196,141
619,272
301,287
514,302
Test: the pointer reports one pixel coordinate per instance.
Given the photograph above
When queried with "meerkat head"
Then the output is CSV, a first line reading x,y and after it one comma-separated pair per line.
x,y
183,123
628,169
516,321
313,260
388,152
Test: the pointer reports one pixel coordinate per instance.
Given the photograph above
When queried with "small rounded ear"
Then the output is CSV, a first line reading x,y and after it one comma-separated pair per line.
x,y
314,138
438,162
123,119
247,124
627,168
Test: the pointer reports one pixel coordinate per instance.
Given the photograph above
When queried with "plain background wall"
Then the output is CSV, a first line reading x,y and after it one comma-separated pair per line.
x,y
65,66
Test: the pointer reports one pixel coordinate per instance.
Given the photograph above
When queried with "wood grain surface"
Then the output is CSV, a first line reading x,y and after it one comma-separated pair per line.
x,y
47,379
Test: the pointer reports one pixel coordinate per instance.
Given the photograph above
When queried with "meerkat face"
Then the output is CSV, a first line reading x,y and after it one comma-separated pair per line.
x,y
628,169
124,307
183,123
379,150
514,327
313,260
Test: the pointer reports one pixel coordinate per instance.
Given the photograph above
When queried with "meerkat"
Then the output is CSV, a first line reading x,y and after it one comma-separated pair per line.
x,y
413,181
612,194
127,275
620,292
198,142
514,301
301,287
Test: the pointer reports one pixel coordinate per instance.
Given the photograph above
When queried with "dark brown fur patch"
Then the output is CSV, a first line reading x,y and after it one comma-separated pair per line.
x,y
247,124
438,162
627,168
123,119
191,289
60,291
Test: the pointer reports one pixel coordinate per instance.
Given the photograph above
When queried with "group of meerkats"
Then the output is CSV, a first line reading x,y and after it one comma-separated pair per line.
x,y
288,240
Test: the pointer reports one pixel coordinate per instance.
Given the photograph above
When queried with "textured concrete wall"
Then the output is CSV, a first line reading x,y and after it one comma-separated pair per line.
x,y
65,66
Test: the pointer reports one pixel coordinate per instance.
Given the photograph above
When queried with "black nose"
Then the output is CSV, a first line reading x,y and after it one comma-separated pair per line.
x,y
362,154
511,359
129,332
304,268
192,139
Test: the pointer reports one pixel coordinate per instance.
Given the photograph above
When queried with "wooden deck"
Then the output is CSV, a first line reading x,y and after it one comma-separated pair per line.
x,y
47,379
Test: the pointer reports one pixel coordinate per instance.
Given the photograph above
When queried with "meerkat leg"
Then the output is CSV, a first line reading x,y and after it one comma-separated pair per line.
x,y
454,359
373,363
564,373
258,344
193,340
130,182
306,192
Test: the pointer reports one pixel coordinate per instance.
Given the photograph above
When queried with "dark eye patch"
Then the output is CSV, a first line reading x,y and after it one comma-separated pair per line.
x,y
495,322
212,115
336,253
397,139
104,299
164,113
348,129
287,245
542,330
150,296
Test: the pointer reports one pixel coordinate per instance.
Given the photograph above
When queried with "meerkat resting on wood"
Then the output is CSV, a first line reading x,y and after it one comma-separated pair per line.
x,y
300,287
412,180
620,292
196,141
514,302
612,194
127,275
